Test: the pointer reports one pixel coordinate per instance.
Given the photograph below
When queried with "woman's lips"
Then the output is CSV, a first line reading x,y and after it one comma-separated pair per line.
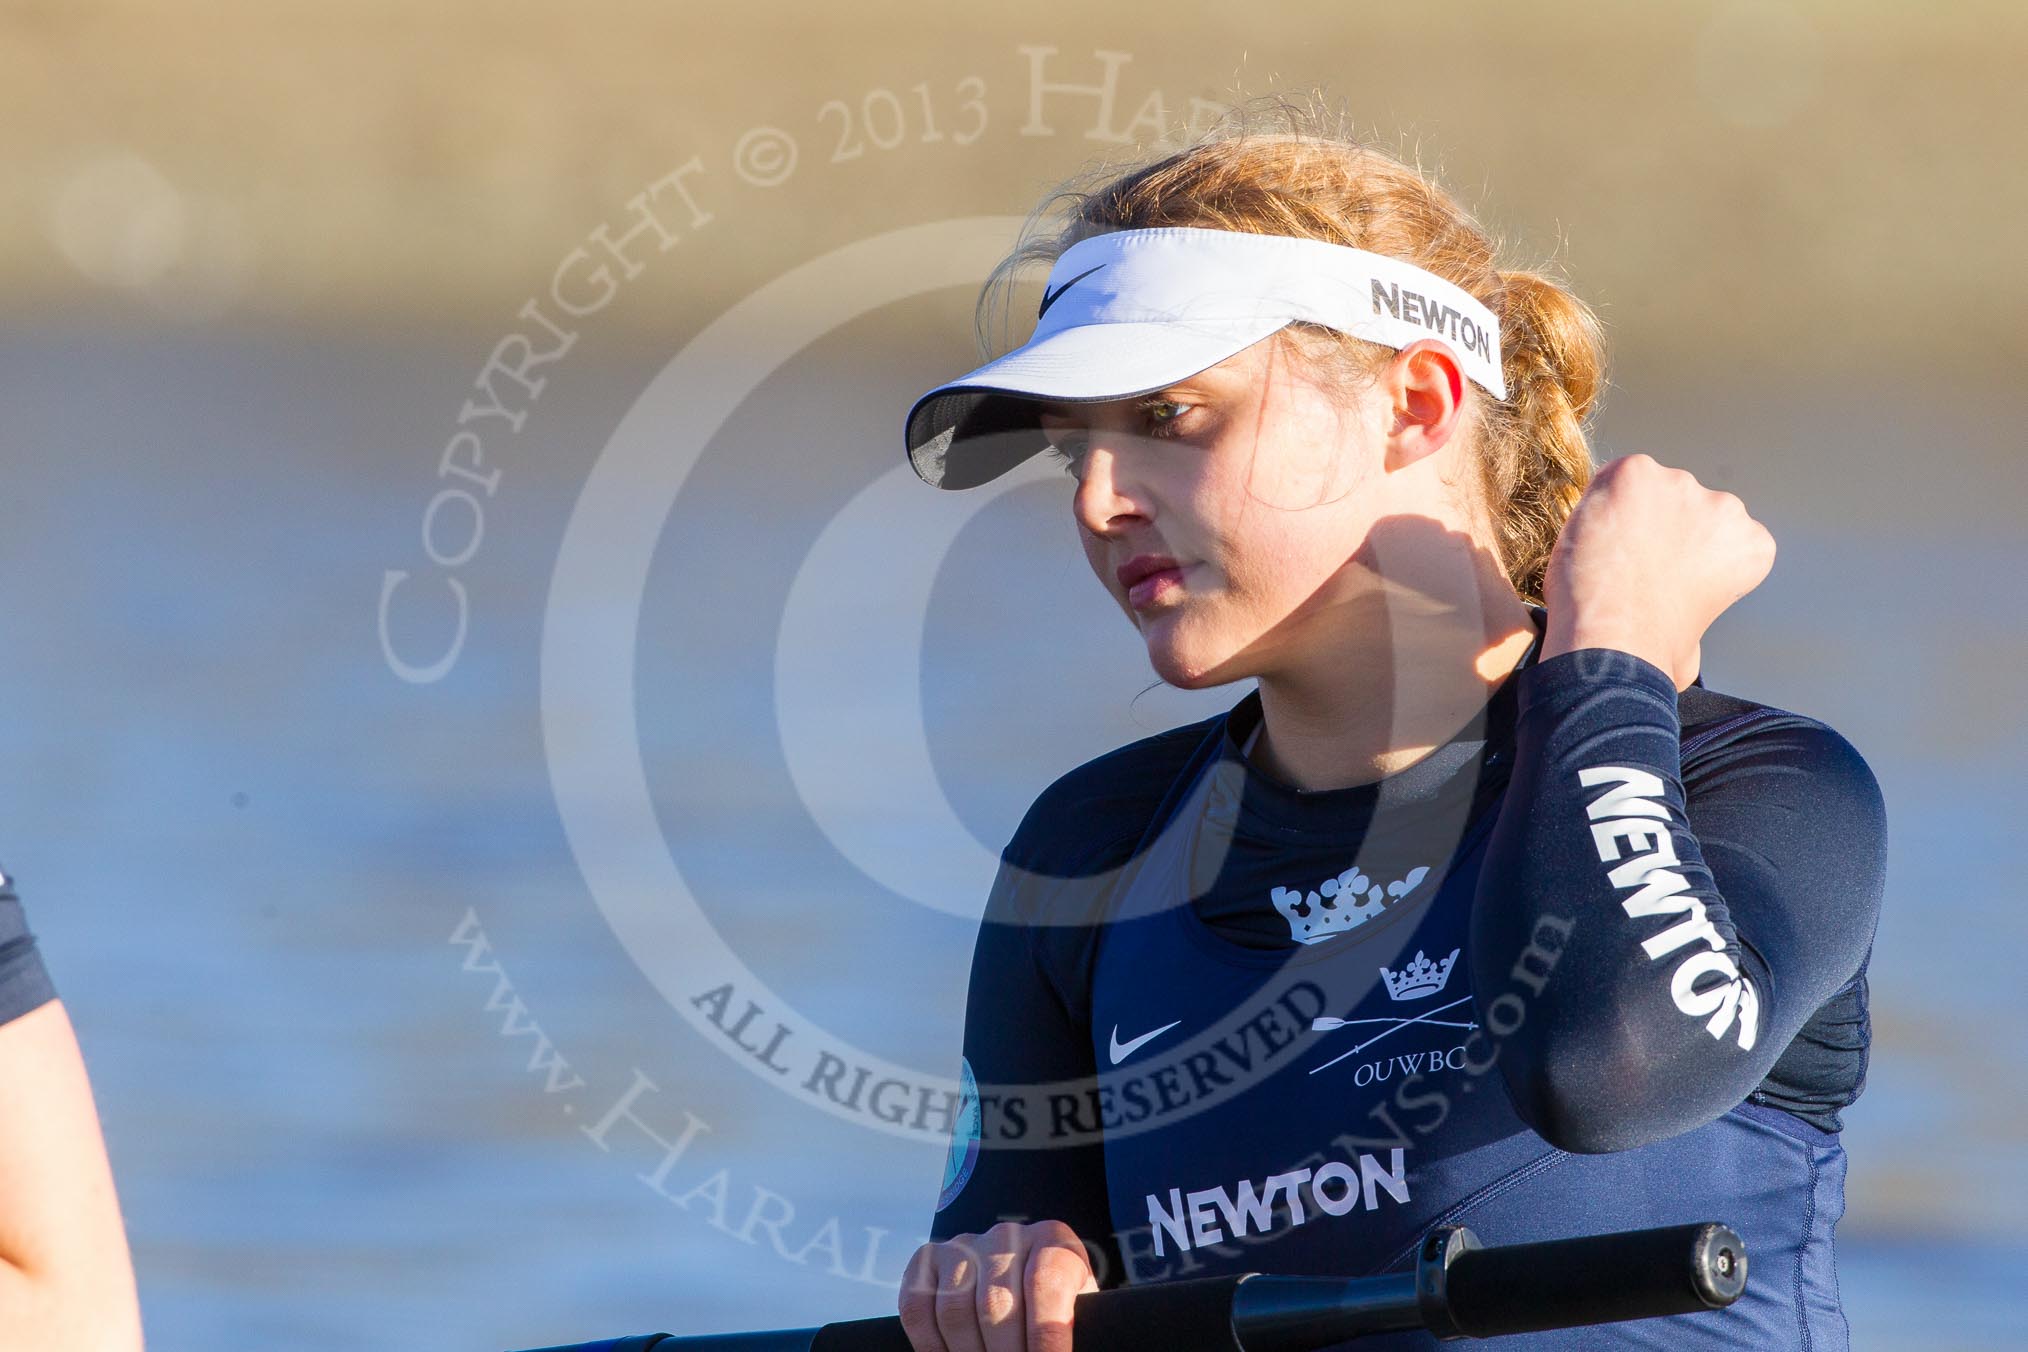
x,y
1155,587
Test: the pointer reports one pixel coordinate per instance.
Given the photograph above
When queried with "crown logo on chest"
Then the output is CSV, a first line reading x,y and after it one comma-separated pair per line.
x,y
1339,904
1420,977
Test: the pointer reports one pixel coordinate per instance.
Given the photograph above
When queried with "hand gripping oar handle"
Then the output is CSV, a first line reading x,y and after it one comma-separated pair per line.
x,y
1457,1290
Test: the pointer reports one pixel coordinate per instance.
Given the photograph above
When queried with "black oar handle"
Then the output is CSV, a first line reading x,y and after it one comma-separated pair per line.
x,y
1157,1318
1599,1279
1162,1317
1458,1290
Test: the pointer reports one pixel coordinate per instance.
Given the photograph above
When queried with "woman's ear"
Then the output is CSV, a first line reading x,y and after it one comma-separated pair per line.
x,y
1426,389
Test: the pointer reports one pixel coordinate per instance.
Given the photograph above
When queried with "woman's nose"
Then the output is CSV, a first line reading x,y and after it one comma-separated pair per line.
x,y
1106,488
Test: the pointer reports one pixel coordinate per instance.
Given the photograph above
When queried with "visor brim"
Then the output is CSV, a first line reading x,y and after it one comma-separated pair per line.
x,y
974,429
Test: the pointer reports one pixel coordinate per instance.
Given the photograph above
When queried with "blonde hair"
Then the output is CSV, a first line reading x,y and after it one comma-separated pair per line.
x,y
1277,165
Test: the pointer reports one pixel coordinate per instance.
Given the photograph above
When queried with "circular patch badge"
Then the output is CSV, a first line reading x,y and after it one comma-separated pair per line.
x,y
963,1155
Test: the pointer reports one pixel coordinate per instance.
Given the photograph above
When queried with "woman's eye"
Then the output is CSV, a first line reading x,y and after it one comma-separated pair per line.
x,y
1163,414
1067,448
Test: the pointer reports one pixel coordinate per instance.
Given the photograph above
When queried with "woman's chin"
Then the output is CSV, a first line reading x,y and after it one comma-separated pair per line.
x,y
1182,662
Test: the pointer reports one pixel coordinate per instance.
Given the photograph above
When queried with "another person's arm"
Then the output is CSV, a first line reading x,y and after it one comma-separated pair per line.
x,y
66,1281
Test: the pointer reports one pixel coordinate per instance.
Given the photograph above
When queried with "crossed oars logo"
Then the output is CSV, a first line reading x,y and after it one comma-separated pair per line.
x,y
1394,1026
1415,980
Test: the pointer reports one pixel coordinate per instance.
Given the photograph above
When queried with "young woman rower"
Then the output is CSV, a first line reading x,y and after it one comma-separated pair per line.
x,y
1479,907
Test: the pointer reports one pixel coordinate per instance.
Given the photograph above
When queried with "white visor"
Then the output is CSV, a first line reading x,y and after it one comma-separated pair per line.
x,y
1131,311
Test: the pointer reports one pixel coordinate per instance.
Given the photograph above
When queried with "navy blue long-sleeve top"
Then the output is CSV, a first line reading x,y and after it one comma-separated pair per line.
x,y
1597,963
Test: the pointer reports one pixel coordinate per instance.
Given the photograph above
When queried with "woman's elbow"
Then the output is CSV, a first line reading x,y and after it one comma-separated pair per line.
x,y
1588,1099
70,1310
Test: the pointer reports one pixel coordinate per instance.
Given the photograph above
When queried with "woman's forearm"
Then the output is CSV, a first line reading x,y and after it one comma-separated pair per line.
x,y
1667,968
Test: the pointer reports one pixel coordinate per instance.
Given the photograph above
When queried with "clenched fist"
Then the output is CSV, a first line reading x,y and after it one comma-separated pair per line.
x,y
1649,558
1012,1289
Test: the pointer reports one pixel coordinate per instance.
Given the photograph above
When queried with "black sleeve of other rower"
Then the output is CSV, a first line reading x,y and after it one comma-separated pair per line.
x,y
24,980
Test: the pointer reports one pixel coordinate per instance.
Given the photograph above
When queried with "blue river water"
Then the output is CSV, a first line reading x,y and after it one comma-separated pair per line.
x,y
327,943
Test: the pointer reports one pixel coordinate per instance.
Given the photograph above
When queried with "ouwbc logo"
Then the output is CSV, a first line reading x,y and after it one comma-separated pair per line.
x,y
1634,814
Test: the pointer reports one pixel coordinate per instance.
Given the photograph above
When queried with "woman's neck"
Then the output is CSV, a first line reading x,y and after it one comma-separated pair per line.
x,y
1370,709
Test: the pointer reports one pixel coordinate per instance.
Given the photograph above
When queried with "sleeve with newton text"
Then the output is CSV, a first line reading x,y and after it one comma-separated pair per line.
x,y
1667,938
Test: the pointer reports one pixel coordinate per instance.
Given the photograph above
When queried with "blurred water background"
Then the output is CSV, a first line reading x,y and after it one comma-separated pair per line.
x,y
256,259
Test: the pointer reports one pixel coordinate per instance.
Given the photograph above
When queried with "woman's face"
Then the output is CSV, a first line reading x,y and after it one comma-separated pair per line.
x,y
1257,484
